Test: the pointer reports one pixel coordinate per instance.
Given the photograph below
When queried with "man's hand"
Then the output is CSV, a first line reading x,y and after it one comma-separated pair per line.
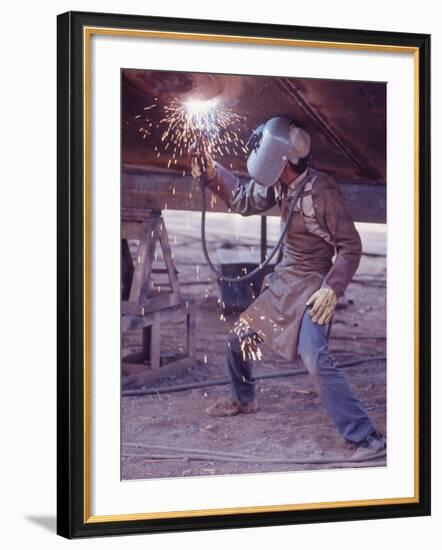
x,y
323,303
202,162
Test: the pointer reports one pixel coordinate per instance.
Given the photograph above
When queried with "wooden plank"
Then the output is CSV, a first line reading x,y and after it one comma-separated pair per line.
x,y
146,189
132,230
138,215
162,302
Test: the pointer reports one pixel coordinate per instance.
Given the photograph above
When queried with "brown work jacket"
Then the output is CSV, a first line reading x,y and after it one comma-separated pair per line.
x,y
320,229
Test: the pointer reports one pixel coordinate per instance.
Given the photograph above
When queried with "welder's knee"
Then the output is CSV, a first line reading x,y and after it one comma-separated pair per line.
x,y
313,346
318,361
310,358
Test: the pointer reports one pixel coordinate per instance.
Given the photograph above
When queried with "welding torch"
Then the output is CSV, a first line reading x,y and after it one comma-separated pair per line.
x,y
200,156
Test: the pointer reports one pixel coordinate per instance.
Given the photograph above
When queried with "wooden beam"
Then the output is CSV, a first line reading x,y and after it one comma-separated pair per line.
x,y
143,189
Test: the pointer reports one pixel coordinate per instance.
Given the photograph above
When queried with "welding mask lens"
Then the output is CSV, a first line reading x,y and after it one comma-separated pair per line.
x,y
267,161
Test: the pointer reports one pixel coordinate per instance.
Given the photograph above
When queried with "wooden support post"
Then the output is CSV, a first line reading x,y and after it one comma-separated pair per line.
x,y
146,336
191,334
155,346
127,267
168,257
146,252
263,238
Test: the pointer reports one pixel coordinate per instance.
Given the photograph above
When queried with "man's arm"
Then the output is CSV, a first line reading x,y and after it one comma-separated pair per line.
x,y
333,215
245,199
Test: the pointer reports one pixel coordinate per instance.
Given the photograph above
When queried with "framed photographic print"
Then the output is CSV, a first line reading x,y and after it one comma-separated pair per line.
x,y
243,274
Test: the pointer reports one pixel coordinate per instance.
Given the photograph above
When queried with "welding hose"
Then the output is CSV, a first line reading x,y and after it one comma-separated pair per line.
x,y
263,265
225,381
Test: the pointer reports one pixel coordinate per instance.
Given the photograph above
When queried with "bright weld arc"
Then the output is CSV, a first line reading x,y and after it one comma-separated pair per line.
x,y
207,121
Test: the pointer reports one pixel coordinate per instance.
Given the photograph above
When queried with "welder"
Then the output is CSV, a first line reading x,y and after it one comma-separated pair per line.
x,y
321,253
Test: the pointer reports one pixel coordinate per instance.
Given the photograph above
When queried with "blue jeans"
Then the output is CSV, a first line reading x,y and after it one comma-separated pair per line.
x,y
343,407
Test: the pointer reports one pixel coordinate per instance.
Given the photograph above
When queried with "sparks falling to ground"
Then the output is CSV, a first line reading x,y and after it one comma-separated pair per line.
x,y
216,127
249,340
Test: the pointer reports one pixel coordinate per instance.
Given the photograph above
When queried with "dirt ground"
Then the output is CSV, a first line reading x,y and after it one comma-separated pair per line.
x,y
291,422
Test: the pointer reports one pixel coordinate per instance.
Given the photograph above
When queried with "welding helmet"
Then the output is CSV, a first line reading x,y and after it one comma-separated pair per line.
x,y
273,145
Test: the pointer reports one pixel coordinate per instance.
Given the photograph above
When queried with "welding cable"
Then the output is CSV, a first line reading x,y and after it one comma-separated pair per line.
x,y
251,274
225,381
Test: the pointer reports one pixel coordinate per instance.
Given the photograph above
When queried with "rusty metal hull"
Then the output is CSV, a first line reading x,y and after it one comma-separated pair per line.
x,y
346,119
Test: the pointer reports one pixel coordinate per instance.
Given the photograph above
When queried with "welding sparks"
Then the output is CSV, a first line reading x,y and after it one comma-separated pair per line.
x,y
249,340
200,111
215,126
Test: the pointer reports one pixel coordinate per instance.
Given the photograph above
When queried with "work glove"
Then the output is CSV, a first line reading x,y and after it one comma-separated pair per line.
x,y
322,304
202,162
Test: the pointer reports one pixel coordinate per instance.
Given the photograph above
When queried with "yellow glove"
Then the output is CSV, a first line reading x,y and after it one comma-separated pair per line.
x,y
323,303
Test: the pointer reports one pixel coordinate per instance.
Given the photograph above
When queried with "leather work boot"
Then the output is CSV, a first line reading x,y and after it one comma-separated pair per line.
x,y
230,407
373,446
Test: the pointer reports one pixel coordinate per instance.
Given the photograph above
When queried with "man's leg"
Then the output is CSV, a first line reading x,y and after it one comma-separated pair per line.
x,y
338,398
242,385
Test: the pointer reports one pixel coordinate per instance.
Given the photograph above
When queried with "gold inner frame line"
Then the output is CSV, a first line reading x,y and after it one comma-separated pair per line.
x,y
87,33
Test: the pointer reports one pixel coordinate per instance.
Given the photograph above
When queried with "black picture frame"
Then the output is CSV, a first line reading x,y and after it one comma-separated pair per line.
x,y
72,514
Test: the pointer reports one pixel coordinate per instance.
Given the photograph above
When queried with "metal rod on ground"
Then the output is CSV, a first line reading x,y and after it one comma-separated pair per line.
x,y
343,462
206,454
224,381
155,457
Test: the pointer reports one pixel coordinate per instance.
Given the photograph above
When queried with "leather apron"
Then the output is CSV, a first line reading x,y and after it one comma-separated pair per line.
x,y
277,313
